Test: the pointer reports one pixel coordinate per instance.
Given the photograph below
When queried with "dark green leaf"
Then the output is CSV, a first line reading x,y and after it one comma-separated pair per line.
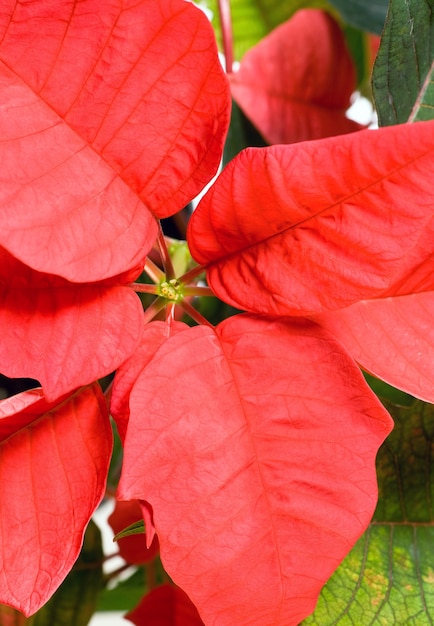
x,y
242,134
388,578
402,80
367,15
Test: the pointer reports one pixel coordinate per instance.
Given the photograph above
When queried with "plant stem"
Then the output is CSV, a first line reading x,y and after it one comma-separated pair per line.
x,y
197,290
194,314
191,274
145,288
165,256
153,310
226,28
153,271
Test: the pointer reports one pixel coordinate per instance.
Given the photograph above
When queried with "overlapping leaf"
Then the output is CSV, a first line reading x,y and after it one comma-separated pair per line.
x,y
319,225
259,464
107,113
62,334
296,83
53,468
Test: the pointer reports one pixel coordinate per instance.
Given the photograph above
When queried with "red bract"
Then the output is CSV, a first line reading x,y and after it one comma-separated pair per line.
x,y
296,83
296,230
249,461
54,459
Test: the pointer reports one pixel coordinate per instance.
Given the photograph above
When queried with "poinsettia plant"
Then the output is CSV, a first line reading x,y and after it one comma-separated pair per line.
x,y
248,442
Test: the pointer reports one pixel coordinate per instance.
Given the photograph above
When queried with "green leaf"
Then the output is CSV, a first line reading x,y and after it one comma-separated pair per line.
x,y
388,578
136,528
74,602
252,20
242,134
367,15
423,109
125,595
402,79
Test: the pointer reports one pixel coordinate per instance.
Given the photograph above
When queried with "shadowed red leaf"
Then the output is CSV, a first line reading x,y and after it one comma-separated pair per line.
x,y
54,460
165,606
296,83
262,453
300,229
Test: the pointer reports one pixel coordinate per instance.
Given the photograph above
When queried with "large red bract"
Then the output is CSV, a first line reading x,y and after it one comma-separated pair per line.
x,y
257,456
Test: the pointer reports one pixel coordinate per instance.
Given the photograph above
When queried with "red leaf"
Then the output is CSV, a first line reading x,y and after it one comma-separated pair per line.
x,y
54,460
296,83
392,338
70,190
296,230
165,606
103,105
132,549
62,334
255,445
154,335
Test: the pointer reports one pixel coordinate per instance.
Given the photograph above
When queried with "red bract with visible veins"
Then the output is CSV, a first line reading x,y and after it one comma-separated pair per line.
x,y
259,464
54,459
317,226
296,83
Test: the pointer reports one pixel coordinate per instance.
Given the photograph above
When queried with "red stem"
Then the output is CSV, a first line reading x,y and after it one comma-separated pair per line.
x,y
226,28
153,271
191,274
145,288
194,314
165,256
